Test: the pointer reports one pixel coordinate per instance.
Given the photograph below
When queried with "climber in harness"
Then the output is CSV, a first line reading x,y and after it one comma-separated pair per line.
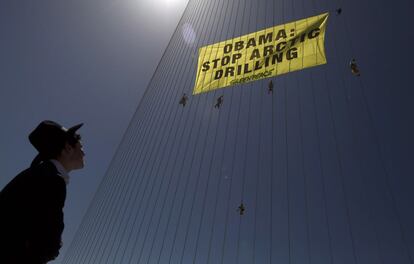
x,y
241,209
183,100
354,68
270,87
219,102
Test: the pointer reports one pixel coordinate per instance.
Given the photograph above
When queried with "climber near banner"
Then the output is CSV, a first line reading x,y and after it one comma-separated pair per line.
x,y
338,11
219,102
183,100
270,87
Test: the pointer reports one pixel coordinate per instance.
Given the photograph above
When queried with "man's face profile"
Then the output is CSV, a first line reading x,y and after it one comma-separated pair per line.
x,y
74,154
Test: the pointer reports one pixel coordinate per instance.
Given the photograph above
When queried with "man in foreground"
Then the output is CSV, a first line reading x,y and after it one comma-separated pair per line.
x,y
31,205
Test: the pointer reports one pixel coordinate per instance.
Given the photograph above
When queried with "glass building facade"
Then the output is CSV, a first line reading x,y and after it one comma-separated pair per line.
x,y
303,161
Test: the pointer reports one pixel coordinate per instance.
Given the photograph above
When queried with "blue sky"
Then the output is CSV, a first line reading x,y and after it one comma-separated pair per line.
x,y
90,61
77,61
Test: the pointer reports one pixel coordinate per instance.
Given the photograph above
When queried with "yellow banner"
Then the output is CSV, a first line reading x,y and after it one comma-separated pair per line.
x,y
262,54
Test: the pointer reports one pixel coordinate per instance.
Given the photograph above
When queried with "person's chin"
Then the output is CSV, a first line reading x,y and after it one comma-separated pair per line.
x,y
81,165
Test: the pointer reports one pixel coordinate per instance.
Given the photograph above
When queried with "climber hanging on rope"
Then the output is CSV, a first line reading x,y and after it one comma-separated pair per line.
x,y
183,100
219,102
270,87
354,68
241,208
338,11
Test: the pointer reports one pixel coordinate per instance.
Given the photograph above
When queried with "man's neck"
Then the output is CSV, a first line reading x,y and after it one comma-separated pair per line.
x,y
61,170
65,164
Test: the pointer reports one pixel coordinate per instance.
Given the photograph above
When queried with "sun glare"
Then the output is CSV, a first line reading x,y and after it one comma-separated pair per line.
x,y
170,3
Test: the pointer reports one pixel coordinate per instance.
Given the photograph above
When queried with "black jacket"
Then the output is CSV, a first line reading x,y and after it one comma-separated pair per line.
x,y
31,216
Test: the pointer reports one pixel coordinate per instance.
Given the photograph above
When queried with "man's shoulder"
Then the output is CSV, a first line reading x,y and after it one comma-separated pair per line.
x,y
44,168
20,179
44,173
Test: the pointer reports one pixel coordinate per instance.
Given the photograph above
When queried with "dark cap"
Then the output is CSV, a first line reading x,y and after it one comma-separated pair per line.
x,y
49,135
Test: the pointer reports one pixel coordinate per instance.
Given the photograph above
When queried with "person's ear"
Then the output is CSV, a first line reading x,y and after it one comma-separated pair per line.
x,y
68,147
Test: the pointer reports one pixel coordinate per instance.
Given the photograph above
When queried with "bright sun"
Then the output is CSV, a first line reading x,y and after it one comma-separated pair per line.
x,y
171,2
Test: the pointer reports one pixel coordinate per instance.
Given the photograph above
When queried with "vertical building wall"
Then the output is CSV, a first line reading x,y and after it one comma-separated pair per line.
x,y
293,158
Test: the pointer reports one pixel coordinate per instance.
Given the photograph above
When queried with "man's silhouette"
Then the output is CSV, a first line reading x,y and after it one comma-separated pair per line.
x,y
31,205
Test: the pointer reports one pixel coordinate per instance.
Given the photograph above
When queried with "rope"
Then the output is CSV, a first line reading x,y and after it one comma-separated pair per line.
x,y
245,150
211,160
256,206
221,169
186,185
272,159
232,164
161,210
221,163
199,171
287,156
136,215
322,172
126,192
301,147
356,153
175,194
380,154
